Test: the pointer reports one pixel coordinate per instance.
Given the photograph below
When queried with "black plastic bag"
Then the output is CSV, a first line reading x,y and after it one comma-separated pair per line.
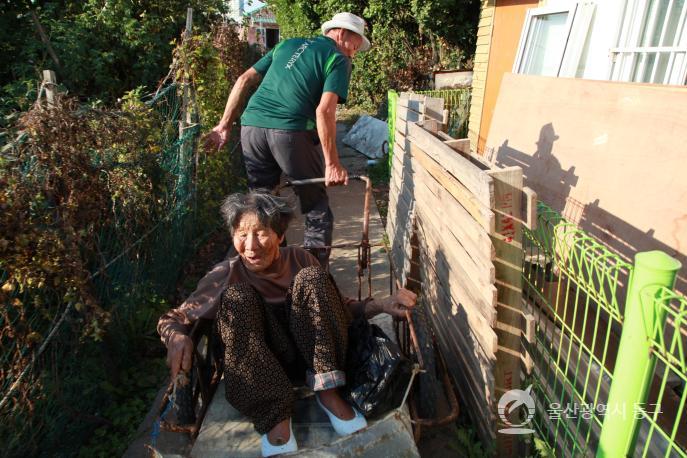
x,y
378,373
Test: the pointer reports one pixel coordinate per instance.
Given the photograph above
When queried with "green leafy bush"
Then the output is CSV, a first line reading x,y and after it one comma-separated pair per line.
x,y
409,39
103,47
101,208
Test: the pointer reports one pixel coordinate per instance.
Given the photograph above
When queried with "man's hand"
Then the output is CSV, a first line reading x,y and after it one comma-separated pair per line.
x,y
179,353
335,174
216,138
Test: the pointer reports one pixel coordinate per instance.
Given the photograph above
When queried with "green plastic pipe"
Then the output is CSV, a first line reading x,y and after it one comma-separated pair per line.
x,y
634,366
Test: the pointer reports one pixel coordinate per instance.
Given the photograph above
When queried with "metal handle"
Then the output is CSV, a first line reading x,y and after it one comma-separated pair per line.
x,y
364,247
318,180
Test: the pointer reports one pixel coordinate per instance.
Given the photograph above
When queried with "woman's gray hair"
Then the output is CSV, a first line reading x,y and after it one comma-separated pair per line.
x,y
272,211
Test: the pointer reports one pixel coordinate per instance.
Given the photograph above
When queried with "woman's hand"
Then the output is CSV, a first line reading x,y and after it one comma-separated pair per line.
x,y
395,305
179,353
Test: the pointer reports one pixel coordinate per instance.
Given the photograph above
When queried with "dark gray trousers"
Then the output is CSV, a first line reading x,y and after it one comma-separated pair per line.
x,y
298,154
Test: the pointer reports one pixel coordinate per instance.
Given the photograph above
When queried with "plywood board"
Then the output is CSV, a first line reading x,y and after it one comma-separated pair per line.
x,y
456,220
443,241
609,156
434,109
480,269
414,105
473,178
400,211
411,96
470,369
461,289
451,313
481,213
462,145
407,114
476,320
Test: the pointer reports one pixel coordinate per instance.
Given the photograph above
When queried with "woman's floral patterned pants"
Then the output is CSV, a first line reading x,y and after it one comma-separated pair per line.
x,y
269,348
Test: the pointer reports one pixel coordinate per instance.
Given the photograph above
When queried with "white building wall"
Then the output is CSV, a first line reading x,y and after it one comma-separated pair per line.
x,y
237,8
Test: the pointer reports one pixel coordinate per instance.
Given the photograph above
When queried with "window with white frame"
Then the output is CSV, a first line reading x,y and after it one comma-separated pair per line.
x,y
553,39
652,43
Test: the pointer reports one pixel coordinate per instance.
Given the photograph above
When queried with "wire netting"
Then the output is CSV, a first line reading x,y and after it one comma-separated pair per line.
x,y
54,389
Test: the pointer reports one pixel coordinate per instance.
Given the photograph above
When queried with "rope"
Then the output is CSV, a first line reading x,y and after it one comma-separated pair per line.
x,y
416,370
171,405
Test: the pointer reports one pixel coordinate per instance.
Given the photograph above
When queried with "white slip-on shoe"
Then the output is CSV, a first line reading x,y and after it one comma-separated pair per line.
x,y
268,449
344,427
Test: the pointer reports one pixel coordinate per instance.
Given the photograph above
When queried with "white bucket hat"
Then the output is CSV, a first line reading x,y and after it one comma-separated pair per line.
x,y
350,22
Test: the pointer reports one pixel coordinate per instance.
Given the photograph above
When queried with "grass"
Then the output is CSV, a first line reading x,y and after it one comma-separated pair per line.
x,y
349,115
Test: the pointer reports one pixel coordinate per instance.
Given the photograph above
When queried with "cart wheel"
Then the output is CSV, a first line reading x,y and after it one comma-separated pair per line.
x,y
428,386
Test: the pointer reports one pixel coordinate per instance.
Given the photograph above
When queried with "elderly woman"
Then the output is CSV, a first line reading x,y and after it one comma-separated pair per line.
x,y
281,320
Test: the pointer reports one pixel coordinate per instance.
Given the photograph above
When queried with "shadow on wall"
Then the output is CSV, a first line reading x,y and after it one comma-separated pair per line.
x,y
404,210
544,174
468,362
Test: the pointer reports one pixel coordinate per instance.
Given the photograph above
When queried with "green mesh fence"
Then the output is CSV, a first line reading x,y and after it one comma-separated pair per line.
x,y
392,98
662,419
570,286
457,102
572,290
130,280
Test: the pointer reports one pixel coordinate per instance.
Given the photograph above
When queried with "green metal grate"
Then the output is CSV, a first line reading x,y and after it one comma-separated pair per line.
x,y
392,98
571,285
662,429
457,102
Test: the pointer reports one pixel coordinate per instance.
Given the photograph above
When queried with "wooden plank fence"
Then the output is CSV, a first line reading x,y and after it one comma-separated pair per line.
x,y
455,227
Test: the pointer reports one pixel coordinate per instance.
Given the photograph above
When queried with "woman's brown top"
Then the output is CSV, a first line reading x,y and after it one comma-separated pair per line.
x,y
272,284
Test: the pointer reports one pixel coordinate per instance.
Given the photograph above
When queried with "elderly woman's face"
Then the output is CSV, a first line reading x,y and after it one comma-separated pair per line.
x,y
257,245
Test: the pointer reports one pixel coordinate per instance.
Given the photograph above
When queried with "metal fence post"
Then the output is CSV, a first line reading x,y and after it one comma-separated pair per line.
x,y
391,97
634,365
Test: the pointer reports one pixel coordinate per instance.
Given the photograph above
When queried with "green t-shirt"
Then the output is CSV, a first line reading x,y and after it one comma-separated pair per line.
x,y
295,74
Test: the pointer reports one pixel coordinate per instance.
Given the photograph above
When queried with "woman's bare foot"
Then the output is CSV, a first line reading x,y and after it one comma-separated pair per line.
x,y
280,434
333,402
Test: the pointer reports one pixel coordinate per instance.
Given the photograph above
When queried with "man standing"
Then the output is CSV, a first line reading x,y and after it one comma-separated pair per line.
x,y
289,124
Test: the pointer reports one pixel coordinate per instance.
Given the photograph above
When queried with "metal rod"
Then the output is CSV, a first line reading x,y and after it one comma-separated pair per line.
x,y
413,335
345,245
360,277
452,400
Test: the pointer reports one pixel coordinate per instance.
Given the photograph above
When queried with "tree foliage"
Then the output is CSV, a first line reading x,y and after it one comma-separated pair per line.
x,y
99,48
101,207
410,38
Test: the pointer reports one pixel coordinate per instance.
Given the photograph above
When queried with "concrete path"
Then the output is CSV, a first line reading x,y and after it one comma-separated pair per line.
x,y
347,204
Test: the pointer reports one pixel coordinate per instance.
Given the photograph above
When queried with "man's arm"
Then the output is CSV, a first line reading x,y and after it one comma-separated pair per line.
x,y
334,173
219,136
